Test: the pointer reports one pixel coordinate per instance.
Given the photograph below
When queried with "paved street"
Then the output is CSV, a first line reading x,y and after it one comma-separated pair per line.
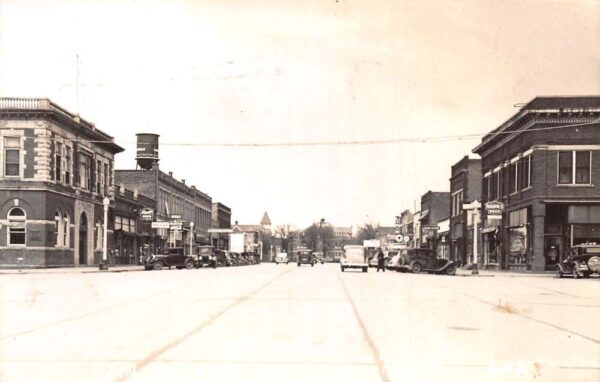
x,y
284,323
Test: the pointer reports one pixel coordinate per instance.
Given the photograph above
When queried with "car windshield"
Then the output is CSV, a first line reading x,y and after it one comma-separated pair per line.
x,y
204,251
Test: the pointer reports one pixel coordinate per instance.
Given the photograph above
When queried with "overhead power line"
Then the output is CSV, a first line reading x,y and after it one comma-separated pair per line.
x,y
429,139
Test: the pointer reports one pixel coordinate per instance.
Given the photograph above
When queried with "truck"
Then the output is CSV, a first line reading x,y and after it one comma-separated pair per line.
x,y
355,256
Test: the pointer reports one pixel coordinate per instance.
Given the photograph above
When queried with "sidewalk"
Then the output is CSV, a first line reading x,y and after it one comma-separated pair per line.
x,y
489,273
79,269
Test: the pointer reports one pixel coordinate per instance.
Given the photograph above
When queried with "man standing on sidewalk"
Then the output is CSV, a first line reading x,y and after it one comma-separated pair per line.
x,y
380,260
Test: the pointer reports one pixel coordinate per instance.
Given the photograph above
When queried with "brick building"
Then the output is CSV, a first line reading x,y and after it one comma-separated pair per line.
x,y
434,208
221,219
543,166
465,187
56,169
176,202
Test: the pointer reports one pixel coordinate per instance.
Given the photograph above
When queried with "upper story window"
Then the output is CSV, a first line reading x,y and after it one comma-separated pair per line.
x,y
68,164
524,172
457,202
16,226
85,171
12,156
574,167
58,149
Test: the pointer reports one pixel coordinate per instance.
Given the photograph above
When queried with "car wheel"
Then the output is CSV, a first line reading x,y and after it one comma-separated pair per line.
x,y
178,267
365,269
416,268
560,274
189,264
158,266
576,274
312,264
343,269
451,270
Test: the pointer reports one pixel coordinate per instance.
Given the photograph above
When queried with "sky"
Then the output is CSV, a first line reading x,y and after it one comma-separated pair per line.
x,y
210,75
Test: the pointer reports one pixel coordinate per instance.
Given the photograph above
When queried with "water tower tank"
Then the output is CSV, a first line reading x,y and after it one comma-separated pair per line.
x,y
147,150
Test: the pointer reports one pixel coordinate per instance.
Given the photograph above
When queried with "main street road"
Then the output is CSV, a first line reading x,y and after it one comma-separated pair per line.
x,y
284,323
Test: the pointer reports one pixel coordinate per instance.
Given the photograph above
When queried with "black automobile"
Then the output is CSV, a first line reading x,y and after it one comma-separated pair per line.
x,y
206,256
583,261
171,257
418,260
305,256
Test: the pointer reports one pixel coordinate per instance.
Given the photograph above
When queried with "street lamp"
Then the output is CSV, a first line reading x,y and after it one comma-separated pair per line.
x,y
191,238
475,206
104,262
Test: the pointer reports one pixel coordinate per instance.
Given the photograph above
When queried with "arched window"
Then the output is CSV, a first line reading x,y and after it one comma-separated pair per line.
x,y
66,231
16,226
58,229
61,229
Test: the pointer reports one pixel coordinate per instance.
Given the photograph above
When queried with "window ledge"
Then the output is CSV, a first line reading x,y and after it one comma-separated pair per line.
x,y
575,185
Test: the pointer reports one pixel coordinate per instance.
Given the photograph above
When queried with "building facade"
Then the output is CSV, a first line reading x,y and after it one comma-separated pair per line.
x,y
56,169
465,187
221,219
541,170
133,234
434,208
186,211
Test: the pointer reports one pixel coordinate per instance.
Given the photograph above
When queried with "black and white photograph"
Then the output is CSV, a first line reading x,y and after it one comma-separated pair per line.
x,y
300,190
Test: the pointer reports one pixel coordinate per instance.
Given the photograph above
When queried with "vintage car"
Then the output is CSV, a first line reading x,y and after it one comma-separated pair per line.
x,y
171,257
355,256
583,260
206,256
417,260
234,259
394,258
305,256
282,257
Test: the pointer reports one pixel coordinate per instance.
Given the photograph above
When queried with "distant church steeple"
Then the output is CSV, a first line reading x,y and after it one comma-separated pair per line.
x,y
265,222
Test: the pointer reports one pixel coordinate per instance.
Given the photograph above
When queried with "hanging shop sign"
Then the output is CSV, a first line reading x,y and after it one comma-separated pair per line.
x,y
494,210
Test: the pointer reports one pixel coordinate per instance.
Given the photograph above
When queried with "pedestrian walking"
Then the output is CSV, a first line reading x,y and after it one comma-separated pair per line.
x,y
380,260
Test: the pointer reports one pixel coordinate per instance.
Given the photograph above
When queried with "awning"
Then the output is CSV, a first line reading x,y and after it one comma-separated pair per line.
x,y
120,232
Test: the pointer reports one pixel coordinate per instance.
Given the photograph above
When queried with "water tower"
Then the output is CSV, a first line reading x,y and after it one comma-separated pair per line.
x,y
147,150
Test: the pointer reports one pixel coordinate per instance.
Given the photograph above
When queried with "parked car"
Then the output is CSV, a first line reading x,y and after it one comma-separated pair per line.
x,y
355,256
417,260
206,256
583,261
234,258
305,256
282,257
171,257
392,263
221,257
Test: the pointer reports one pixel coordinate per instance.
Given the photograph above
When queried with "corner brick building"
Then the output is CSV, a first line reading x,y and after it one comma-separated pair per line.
x,y
55,170
543,165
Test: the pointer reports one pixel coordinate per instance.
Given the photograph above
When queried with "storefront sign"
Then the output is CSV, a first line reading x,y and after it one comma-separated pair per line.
x,y
147,214
429,228
494,210
160,225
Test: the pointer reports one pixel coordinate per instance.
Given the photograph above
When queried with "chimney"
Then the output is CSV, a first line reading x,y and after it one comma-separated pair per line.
x,y
171,174
183,181
236,222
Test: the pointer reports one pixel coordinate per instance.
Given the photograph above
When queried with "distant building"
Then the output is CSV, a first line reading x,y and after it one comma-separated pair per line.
x,y
406,227
221,219
434,208
255,236
541,178
465,187
335,247
55,170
